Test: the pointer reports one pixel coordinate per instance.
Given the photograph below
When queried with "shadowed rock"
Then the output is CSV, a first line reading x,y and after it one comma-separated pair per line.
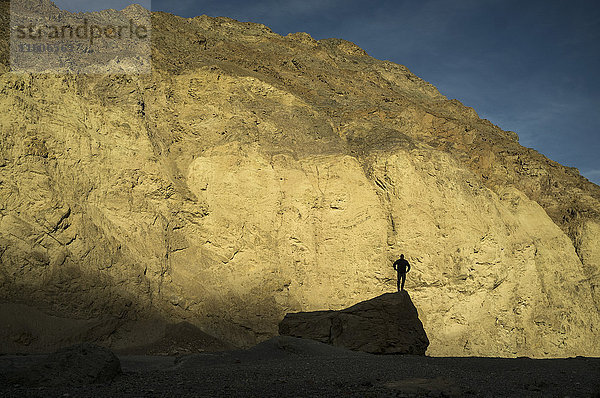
x,y
27,330
80,364
278,348
387,324
170,339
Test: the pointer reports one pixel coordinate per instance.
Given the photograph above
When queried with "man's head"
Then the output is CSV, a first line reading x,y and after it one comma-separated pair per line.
x,y
402,257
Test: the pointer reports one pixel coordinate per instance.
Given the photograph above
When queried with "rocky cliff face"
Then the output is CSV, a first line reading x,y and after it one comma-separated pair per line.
x,y
251,175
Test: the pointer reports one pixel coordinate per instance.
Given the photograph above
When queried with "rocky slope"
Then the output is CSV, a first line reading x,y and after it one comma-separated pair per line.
x,y
251,175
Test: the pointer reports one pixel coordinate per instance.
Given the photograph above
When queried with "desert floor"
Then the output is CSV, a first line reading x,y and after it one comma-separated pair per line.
x,y
289,367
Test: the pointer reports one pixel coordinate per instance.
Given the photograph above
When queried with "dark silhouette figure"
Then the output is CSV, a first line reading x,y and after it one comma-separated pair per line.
x,y
402,266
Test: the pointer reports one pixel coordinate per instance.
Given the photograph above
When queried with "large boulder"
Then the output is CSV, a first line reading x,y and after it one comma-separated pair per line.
x,y
387,324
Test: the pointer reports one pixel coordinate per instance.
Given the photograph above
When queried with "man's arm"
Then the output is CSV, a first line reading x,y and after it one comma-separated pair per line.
x,y
407,266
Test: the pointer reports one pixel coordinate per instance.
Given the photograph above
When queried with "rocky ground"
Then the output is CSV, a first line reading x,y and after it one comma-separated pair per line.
x,y
286,366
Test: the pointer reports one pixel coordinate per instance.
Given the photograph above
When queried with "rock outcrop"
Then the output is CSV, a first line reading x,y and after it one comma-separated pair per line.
x,y
252,175
387,324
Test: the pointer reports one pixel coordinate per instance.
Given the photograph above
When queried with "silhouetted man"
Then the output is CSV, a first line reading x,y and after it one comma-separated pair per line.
x,y
402,266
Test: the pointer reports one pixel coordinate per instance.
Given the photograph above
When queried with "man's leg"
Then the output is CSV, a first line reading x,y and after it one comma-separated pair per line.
x,y
403,276
398,281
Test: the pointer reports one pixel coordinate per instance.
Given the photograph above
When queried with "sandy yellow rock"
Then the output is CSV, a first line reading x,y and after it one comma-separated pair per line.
x,y
256,175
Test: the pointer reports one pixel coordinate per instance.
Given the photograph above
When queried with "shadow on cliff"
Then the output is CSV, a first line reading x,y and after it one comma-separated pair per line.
x,y
386,324
4,32
25,329
91,307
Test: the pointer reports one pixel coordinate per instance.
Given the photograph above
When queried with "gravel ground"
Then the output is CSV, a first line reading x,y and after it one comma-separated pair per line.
x,y
297,368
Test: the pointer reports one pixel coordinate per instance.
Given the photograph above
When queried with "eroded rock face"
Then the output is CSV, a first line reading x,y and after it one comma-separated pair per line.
x,y
252,175
387,324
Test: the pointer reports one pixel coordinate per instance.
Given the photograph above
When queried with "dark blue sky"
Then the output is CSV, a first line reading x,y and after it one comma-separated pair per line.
x,y
527,66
